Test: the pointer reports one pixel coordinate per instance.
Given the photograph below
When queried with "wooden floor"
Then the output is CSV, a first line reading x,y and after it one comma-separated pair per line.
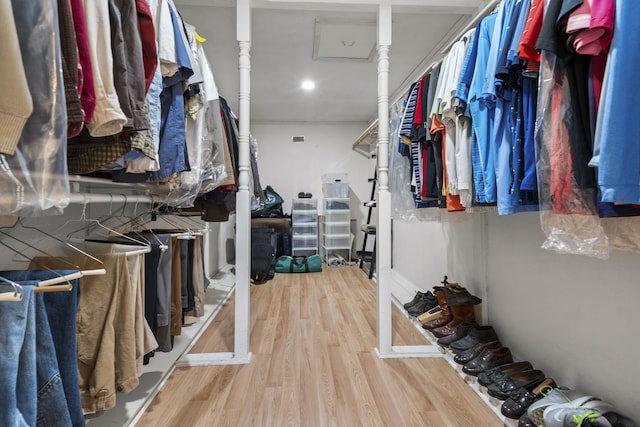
x,y
313,364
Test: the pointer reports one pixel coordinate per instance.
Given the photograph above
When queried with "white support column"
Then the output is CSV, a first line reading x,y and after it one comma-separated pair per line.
x,y
243,197
385,348
240,352
383,232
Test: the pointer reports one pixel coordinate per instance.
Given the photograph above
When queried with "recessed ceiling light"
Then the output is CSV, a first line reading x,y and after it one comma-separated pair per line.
x,y
308,85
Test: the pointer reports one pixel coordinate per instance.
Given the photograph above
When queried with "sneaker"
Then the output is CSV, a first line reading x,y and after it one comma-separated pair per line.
x,y
415,300
426,303
555,396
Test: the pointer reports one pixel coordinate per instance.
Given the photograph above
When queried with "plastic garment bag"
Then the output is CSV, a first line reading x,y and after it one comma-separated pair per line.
x,y
34,179
206,170
567,197
402,206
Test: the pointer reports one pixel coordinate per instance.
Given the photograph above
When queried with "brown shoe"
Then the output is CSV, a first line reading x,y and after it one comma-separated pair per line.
x,y
460,314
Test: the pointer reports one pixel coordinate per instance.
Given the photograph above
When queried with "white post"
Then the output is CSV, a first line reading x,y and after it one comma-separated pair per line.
x,y
385,348
383,232
243,198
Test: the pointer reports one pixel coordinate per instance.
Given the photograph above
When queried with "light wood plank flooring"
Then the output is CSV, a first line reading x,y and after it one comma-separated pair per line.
x,y
312,339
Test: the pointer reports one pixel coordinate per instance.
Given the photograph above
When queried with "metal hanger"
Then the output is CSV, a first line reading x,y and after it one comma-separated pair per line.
x,y
60,278
17,293
83,217
92,272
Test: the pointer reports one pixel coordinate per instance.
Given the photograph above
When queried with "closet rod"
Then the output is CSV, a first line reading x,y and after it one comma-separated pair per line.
x,y
487,10
82,198
105,182
372,128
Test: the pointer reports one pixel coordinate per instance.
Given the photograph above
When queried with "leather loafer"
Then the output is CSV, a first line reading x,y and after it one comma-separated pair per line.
x,y
492,375
507,386
484,333
517,403
461,331
467,356
488,359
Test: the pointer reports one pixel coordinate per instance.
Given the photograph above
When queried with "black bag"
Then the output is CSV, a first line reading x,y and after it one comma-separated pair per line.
x,y
272,205
263,254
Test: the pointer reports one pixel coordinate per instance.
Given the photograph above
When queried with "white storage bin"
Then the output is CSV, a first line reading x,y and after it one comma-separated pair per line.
x,y
337,216
304,204
336,204
337,227
337,241
304,242
302,218
335,189
308,230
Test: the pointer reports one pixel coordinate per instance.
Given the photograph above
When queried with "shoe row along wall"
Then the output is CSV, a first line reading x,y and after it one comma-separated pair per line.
x,y
572,316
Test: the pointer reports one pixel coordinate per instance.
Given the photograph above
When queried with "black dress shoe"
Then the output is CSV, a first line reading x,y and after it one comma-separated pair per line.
x,y
461,331
415,300
492,375
488,359
426,303
508,386
478,334
524,421
517,403
467,356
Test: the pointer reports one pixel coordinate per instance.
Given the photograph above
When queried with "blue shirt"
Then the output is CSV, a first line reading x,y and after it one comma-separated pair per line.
x,y
618,126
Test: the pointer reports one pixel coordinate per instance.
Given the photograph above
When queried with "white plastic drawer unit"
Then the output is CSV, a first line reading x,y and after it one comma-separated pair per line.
x,y
337,216
337,227
304,242
305,229
304,205
336,204
304,218
337,241
335,189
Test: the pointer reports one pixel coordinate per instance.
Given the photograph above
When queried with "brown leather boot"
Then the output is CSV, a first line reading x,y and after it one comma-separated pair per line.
x,y
445,314
460,314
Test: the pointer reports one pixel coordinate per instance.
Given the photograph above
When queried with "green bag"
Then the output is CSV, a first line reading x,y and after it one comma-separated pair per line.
x,y
299,264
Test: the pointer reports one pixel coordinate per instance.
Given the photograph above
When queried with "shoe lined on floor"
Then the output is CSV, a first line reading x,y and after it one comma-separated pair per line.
x,y
426,302
488,359
516,405
494,374
415,300
445,313
507,386
467,356
463,329
555,396
460,314
589,409
479,334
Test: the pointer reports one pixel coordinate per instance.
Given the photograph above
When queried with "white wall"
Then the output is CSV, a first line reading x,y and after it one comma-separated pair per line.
x,y
574,317
291,168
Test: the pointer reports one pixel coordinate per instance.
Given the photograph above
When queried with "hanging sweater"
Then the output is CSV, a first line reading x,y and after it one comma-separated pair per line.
x,y
15,100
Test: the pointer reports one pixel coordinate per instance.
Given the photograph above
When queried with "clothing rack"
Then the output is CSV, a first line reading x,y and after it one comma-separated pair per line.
x,y
372,129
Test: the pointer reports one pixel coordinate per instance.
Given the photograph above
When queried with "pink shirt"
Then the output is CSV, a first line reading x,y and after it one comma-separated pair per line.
x,y
87,95
592,23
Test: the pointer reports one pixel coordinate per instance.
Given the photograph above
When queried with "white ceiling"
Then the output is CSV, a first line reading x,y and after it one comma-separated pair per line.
x,y
283,48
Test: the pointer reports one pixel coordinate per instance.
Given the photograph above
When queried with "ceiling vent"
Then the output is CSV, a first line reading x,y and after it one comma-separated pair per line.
x,y
344,40
297,139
